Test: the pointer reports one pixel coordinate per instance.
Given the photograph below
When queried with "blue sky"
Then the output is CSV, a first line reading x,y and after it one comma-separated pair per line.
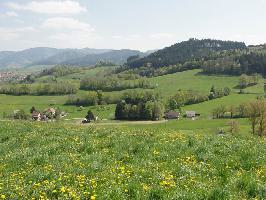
x,y
134,24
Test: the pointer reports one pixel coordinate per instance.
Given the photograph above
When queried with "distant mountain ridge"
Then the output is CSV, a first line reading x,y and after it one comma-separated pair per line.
x,y
26,57
53,56
115,56
70,54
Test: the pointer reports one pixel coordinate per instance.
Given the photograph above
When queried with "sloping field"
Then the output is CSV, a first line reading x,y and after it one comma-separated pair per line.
x,y
58,161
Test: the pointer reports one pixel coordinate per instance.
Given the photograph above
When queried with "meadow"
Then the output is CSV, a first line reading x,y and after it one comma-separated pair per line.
x,y
60,161
176,159
167,86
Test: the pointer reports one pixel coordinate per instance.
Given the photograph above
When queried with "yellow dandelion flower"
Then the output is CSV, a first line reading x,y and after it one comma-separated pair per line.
x,y
63,189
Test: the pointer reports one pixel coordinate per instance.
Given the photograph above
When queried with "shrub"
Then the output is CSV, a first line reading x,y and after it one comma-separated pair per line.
x,y
21,115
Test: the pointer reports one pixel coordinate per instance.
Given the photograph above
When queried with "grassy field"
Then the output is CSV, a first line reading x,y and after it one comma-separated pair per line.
x,y
169,84
205,108
177,159
10,103
59,161
83,73
166,87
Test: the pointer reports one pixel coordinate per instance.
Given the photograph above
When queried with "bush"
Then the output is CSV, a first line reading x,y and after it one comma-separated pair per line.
x,y
21,115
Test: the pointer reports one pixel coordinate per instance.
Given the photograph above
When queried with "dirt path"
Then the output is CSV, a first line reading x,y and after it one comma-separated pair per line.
x,y
127,123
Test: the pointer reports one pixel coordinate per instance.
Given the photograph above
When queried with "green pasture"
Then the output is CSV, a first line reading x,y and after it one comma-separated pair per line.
x,y
62,161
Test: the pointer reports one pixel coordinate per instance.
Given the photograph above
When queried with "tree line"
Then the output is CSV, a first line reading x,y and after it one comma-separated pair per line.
x,y
188,97
246,81
91,98
246,63
152,72
113,84
39,89
255,111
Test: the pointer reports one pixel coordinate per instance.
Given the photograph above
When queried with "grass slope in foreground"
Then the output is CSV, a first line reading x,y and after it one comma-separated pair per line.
x,y
55,161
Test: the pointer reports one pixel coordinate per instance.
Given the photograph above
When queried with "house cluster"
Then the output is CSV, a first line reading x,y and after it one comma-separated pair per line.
x,y
46,115
176,115
9,76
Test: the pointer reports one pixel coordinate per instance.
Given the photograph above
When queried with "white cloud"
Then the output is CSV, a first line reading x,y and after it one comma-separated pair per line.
x,y
74,39
8,14
66,23
11,14
118,37
50,7
68,32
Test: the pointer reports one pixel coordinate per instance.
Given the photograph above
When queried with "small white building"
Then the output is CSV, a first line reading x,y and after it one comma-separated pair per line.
x,y
190,114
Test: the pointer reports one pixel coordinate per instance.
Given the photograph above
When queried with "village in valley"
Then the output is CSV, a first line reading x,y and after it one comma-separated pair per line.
x,y
11,76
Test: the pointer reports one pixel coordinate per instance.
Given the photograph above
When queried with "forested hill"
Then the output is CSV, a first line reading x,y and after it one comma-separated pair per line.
x,y
192,49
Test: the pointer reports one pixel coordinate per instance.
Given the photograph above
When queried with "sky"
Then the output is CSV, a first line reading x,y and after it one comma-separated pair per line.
x,y
127,24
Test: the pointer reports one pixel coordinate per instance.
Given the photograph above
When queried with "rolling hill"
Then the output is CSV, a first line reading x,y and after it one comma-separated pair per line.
x,y
26,57
115,56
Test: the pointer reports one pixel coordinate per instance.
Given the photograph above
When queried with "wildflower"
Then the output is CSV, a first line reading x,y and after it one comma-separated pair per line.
x,y
156,152
85,193
63,189
93,197
145,187
3,196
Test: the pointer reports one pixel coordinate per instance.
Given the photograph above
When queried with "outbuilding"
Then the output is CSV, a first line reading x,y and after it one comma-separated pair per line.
x,y
190,114
36,116
172,115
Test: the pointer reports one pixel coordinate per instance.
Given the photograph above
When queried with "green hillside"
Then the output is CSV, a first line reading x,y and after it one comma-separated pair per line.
x,y
76,162
169,84
166,86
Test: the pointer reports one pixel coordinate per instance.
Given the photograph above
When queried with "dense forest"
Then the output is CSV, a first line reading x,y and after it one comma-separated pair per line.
x,y
212,56
139,106
246,63
192,49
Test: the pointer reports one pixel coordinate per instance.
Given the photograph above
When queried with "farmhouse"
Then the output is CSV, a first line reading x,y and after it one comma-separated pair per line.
x,y
172,115
50,111
190,114
36,116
